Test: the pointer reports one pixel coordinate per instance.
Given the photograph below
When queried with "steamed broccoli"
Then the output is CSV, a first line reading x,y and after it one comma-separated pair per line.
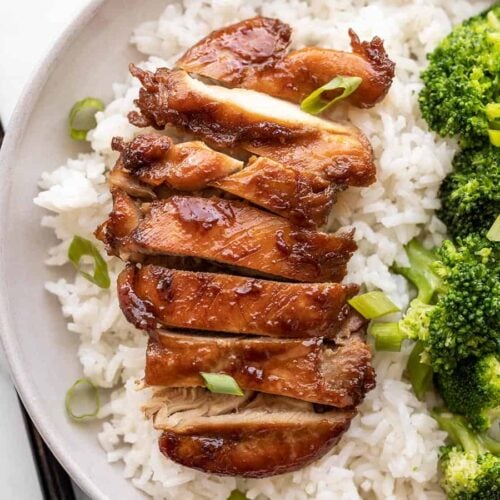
x,y
457,311
470,195
473,390
470,469
462,78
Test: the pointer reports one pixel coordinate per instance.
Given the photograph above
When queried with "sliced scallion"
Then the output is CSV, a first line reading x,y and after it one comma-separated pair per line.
x,y
82,117
373,305
221,384
494,137
493,20
387,336
80,384
493,111
314,103
80,247
494,233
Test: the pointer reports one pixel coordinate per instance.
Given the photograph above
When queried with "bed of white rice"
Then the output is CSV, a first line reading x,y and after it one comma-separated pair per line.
x,y
390,451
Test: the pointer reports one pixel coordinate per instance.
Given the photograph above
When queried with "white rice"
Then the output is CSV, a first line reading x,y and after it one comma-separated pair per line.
x,y
391,448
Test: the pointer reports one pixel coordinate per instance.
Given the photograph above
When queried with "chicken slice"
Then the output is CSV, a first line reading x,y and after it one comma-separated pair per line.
x,y
155,295
154,160
307,369
252,54
254,122
268,436
229,233
301,196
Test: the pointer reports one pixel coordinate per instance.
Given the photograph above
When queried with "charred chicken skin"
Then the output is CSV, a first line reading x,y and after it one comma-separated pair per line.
x,y
253,54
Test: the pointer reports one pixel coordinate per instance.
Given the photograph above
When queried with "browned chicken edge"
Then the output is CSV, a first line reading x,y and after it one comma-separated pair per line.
x,y
154,295
315,370
253,54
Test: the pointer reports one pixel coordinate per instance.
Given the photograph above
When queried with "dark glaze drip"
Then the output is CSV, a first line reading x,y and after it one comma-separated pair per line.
x,y
194,211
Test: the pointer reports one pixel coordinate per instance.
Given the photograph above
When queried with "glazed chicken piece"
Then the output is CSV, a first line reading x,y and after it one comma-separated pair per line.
x,y
227,232
154,295
155,160
305,198
253,54
269,435
152,161
241,119
311,370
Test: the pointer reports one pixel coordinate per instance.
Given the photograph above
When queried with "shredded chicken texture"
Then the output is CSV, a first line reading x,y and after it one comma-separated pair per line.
x,y
261,436
253,54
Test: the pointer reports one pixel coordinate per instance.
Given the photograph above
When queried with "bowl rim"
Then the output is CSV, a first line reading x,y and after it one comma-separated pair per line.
x,y
14,127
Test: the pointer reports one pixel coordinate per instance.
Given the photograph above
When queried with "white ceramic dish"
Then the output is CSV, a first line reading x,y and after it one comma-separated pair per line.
x,y
91,54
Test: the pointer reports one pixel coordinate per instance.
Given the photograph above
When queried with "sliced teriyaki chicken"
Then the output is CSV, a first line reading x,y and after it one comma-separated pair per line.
x,y
154,160
254,122
267,436
154,295
252,54
227,232
305,198
311,370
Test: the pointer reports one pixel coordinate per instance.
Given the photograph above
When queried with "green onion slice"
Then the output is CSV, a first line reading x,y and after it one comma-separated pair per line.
x,y
493,20
494,137
314,103
94,395
373,305
221,384
420,374
237,495
82,117
387,336
494,233
493,111
80,247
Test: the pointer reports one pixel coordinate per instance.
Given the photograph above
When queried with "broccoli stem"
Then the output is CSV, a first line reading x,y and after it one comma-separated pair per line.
x,y
420,374
420,271
461,434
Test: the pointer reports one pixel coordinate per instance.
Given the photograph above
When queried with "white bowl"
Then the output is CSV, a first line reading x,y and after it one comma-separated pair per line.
x,y
92,53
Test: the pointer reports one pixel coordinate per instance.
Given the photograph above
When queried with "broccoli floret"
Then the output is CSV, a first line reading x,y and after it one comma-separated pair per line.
x,y
470,469
457,311
473,390
470,195
463,78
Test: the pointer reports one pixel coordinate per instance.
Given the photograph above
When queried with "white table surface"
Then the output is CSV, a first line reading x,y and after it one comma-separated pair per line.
x,y
27,30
